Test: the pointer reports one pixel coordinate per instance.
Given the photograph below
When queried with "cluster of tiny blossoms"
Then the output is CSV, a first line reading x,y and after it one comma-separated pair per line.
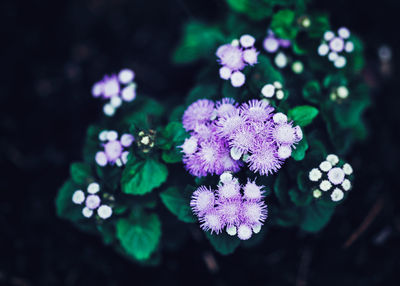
x,y
335,46
234,57
92,202
239,213
225,135
331,174
116,89
114,150
272,44
270,90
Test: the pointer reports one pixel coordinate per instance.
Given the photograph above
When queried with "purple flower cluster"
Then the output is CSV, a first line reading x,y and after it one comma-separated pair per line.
x,y
272,44
116,89
92,202
114,149
240,213
334,46
234,57
225,135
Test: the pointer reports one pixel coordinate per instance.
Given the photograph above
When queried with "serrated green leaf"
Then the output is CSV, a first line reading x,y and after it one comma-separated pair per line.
x,y
316,216
299,153
140,236
178,202
173,135
141,177
223,243
303,115
172,156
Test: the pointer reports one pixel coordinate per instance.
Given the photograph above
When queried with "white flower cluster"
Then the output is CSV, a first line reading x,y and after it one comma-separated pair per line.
x,y
92,202
116,89
271,90
335,46
330,176
115,151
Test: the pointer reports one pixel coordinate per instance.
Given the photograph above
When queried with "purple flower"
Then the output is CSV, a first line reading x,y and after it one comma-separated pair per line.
x,y
199,112
226,106
243,139
114,150
257,110
234,57
271,44
238,214
203,199
212,220
264,159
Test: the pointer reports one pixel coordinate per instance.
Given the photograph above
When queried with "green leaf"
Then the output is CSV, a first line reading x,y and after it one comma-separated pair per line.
x,y
172,156
299,153
202,91
254,9
284,24
300,199
280,188
312,91
178,202
223,243
140,236
80,173
303,115
316,216
64,206
173,135
199,40
141,177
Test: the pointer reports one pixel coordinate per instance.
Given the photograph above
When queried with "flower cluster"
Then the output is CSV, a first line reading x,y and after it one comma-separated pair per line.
x,y
271,44
116,89
271,90
114,149
225,135
234,57
92,202
339,93
240,213
331,174
334,46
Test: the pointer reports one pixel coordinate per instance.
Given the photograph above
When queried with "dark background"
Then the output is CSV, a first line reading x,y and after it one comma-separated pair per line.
x,y
52,52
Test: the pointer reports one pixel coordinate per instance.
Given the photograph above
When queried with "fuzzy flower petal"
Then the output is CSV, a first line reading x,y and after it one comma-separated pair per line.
x,y
199,112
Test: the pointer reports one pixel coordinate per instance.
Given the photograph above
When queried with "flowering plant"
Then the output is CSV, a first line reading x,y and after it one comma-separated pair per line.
x,y
253,145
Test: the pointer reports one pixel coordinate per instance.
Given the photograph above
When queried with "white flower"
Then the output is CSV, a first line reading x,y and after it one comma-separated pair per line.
x,y
280,94
236,153
225,73
314,175
268,90
281,60
346,185
104,211
87,212
126,76
78,197
244,232
247,41
349,47
323,49
333,159
237,79
344,32
328,35
279,118
317,193
340,62
108,109
336,176
284,152
325,166
112,135
92,202
225,177
257,228
103,135
116,101
337,195
129,92
325,185
347,169
93,188
231,230
342,92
